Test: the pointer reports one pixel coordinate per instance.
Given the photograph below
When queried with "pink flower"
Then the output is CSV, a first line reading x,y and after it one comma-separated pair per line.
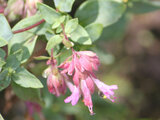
x,y
106,89
30,7
55,80
75,94
87,96
81,65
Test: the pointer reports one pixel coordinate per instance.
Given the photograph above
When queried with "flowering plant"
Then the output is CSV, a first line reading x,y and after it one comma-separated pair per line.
x,y
66,36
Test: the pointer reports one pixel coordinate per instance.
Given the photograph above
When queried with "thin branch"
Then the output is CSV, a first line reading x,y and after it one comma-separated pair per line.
x,y
64,32
29,27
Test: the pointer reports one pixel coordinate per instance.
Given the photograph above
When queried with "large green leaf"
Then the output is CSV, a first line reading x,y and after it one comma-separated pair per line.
x,y
64,5
94,30
25,79
105,12
81,36
4,79
48,13
143,6
28,94
5,31
39,30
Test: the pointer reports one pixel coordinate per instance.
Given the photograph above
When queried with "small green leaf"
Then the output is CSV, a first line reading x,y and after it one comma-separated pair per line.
x,y
25,79
81,36
55,40
94,30
4,79
5,31
143,6
105,12
71,25
58,22
48,13
64,5
27,94
12,62
59,29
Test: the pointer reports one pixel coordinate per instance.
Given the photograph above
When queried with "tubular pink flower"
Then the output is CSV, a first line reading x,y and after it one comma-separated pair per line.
x,y
87,96
74,96
106,89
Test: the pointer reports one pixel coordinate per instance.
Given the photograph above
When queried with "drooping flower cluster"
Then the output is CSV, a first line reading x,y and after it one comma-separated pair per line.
x,y
81,66
55,80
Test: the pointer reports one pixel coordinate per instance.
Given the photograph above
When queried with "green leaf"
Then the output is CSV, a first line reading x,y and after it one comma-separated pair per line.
x,y
2,54
54,41
58,22
4,79
5,31
105,12
1,118
27,94
81,36
22,48
25,79
94,31
48,13
71,25
12,62
64,5
115,31
143,6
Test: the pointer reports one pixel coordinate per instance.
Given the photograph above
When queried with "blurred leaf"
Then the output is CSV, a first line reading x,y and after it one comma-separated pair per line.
x,y
27,94
25,79
1,118
64,5
81,36
105,12
65,54
48,13
2,53
94,30
5,31
105,58
115,31
71,25
4,79
143,6
55,40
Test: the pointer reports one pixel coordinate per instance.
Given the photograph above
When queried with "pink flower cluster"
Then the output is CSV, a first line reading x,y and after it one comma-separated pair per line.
x,y
81,66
